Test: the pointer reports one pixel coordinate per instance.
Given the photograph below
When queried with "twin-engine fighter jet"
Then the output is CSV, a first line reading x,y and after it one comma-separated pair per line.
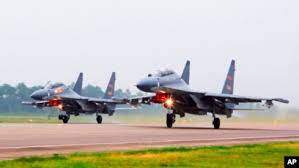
x,y
174,93
71,102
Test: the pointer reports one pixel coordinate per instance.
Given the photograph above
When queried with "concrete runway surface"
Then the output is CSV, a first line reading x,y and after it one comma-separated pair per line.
x,y
17,140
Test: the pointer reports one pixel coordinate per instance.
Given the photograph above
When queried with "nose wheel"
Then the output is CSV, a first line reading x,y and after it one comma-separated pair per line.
x,y
170,120
216,123
64,118
99,119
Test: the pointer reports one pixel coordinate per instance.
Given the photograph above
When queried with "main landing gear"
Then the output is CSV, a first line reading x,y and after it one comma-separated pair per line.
x,y
170,119
216,122
64,118
99,119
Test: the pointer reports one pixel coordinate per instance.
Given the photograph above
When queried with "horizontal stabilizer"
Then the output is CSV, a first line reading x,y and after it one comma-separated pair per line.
x,y
281,100
248,109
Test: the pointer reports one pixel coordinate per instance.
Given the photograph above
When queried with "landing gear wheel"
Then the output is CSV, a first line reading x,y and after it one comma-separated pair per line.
x,y
216,123
65,119
60,117
170,119
99,119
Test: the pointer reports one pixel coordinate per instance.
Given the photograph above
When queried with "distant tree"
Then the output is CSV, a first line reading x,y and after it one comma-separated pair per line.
x,y
7,90
92,91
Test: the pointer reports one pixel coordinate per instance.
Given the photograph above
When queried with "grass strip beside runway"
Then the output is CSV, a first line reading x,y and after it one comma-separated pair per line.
x,y
257,155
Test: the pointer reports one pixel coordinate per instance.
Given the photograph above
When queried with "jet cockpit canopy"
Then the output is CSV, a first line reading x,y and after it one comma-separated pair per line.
x,y
163,73
54,85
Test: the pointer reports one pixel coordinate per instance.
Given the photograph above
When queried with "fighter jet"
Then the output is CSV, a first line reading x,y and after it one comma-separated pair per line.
x,y
174,93
70,101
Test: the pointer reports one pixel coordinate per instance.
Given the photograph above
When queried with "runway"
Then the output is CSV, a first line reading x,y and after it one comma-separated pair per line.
x,y
18,140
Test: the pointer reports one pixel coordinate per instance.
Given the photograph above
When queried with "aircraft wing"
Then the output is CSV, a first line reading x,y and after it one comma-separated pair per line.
x,y
247,109
34,103
39,104
111,101
130,108
95,100
225,98
45,103
242,99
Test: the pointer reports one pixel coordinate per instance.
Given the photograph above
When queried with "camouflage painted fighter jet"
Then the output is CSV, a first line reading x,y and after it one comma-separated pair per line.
x,y
71,102
174,93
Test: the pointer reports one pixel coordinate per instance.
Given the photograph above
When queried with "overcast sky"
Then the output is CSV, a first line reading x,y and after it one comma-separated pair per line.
x,y
57,39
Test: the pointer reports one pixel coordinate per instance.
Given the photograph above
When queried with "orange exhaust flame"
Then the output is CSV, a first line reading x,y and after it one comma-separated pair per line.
x,y
60,106
163,98
160,98
54,102
169,103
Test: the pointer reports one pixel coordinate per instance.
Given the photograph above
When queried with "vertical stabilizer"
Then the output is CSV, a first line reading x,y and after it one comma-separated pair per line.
x,y
186,72
228,87
110,88
78,84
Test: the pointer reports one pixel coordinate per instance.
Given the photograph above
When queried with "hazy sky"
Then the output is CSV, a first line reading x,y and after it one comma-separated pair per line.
x,y
57,39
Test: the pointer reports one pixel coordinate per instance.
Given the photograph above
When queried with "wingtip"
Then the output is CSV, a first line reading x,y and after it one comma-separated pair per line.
x,y
282,100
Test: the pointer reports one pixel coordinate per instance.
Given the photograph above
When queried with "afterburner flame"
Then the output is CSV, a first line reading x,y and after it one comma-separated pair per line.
x,y
54,102
163,98
169,103
160,97
60,106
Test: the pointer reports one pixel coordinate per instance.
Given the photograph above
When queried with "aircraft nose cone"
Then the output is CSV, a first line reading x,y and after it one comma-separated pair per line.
x,y
139,85
37,95
146,85
34,96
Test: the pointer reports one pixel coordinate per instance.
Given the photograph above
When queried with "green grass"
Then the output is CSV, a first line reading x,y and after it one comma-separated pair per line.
x,y
259,155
